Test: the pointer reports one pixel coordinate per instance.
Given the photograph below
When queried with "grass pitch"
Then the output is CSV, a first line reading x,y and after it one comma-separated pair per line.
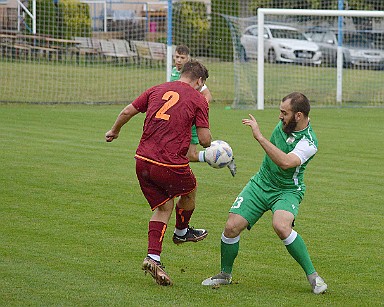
x,y
74,222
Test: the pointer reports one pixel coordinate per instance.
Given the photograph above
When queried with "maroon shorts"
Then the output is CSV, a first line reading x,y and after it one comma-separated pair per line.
x,y
160,183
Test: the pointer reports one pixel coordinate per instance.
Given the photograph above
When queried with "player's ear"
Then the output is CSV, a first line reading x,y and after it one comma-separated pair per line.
x,y
299,116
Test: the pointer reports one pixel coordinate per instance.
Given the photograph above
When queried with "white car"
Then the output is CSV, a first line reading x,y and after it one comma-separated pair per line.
x,y
358,51
281,44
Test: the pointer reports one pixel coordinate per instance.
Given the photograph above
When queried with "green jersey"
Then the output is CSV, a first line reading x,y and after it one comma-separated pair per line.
x,y
175,74
302,143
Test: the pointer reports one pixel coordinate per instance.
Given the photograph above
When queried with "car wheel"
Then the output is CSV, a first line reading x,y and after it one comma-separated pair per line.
x,y
271,56
242,54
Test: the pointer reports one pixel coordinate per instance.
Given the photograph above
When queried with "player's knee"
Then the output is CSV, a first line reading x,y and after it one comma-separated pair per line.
x,y
232,229
283,230
187,201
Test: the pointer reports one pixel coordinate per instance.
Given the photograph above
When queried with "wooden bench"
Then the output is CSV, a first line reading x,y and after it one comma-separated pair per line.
x,y
46,52
151,52
85,48
123,50
158,51
14,51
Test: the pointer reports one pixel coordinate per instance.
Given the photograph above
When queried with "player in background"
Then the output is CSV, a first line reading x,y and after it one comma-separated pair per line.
x,y
162,166
278,186
182,56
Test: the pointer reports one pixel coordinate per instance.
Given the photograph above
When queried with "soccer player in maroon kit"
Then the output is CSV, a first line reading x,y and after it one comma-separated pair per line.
x,y
161,158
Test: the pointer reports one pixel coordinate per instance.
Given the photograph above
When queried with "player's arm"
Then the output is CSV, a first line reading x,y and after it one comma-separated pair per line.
x,y
204,135
206,93
280,158
125,115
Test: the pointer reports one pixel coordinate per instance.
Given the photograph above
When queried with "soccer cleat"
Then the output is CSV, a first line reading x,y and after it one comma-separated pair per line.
x,y
192,235
232,167
219,279
155,268
319,286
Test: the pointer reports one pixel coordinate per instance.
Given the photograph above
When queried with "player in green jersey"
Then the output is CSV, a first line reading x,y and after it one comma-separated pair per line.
x,y
182,56
278,186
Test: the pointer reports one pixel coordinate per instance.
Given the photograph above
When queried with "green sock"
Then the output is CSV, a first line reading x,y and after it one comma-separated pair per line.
x,y
299,252
228,254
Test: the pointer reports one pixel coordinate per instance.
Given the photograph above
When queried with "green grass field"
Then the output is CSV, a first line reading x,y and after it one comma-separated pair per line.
x,y
74,222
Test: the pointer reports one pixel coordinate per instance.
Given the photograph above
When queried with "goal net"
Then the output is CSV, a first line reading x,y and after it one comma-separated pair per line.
x,y
329,55
109,51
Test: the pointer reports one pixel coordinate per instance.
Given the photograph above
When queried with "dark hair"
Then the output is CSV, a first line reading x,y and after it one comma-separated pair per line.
x,y
194,70
299,103
182,49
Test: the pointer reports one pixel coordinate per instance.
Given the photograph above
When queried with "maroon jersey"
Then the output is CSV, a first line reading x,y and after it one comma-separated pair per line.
x,y
171,109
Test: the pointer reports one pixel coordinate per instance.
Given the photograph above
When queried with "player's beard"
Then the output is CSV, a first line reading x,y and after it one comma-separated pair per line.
x,y
290,126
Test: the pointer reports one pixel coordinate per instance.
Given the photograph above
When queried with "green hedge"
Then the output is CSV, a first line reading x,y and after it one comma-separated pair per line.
x,y
191,26
65,19
220,36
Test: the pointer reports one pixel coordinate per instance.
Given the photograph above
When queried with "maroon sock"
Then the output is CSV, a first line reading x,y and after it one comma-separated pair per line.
x,y
156,231
183,217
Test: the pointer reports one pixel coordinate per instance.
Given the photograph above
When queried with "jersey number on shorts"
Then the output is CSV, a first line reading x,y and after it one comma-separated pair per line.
x,y
171,99
237,202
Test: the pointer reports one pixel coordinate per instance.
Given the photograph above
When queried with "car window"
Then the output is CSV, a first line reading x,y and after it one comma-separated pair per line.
x,y
316,36
266,34
251,31
248,32
329,38
287,34
355,39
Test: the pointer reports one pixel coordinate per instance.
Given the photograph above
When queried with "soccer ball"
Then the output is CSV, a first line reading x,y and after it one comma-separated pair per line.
x,y
219,154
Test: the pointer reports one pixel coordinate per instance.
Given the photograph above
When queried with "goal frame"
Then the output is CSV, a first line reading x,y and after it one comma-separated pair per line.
x,y
261,12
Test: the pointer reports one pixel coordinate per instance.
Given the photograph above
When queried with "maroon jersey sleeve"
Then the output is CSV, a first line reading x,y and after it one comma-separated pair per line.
x,y
141,102
171,109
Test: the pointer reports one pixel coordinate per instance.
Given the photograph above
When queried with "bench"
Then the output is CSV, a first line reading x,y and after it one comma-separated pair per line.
x,y
44,52
117,49
151,52
14,50
85,48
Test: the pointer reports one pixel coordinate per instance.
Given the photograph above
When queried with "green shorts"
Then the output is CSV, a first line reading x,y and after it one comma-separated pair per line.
x,y
195,139
253,201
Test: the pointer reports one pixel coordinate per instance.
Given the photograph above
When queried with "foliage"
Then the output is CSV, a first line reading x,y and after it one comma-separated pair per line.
x,y
76,18
65,19
220,37
191,26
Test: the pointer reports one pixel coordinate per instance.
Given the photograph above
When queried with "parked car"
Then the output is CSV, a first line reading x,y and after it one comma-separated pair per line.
x,y
358,50
281,44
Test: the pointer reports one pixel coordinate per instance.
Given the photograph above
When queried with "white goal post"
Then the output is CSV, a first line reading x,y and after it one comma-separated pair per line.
x,y
261,12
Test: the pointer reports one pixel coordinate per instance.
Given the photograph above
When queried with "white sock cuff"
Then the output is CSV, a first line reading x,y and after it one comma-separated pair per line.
x,y
230,240
180,232
202,156
154,257
290,238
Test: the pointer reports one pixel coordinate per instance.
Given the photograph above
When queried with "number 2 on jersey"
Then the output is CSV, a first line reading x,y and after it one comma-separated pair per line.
x,y
171,98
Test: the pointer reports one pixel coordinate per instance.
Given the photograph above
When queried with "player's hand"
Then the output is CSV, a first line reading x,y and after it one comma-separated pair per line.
x,y
110,136
251,122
